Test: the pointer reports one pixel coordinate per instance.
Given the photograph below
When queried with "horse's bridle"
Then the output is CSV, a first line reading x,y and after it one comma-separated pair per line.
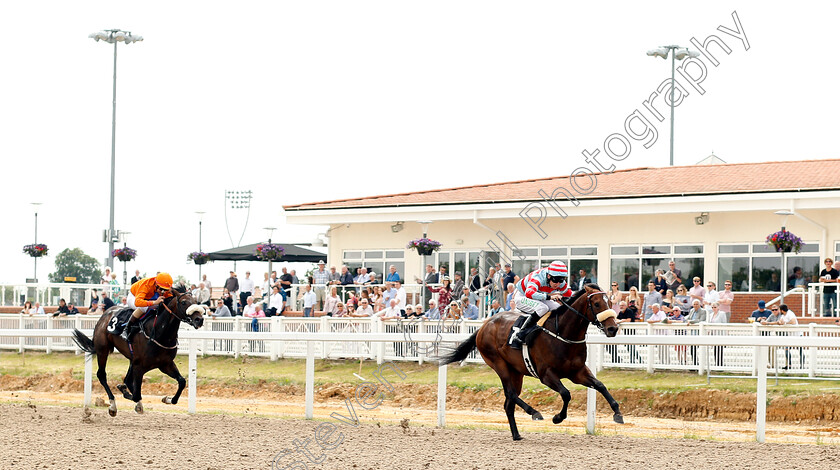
x,y
589,304
184,319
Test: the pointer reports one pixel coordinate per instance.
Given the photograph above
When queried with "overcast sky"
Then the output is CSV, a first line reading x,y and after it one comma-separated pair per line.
x,y
312,101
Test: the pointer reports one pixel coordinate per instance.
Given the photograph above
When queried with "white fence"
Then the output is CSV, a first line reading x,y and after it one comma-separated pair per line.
x,y
761,344
730,358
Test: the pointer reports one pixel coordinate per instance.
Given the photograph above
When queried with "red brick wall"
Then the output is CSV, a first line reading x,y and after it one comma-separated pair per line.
x,y
746,302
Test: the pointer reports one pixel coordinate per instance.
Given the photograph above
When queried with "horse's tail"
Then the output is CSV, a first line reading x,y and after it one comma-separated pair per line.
x,y
83,342
461,352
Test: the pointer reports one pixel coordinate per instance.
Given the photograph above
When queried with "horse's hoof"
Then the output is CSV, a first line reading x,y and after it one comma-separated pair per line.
x,y
167,400
557,419
517,437
537,416
618,419
112,412
138,408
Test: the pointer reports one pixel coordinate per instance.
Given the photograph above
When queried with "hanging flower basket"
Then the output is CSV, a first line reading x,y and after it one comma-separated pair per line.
x,y
36,250
199,257
424,246
124,254
784,241
269,252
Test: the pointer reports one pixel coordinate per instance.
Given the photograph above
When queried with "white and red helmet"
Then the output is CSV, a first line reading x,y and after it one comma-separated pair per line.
x,y
557,271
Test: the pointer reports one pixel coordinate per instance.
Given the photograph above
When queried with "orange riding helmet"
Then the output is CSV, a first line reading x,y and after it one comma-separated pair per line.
x,y
164,280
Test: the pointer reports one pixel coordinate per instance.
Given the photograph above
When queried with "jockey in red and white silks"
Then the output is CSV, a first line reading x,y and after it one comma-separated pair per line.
x,y
534,294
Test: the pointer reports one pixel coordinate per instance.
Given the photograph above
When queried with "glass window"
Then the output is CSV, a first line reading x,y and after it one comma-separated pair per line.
x,y
690,268
625,271
810,248
475,262
575,265
624,250
352,255
585,251
527,252
688,249
547,252
650,266
762,248
801,270
459,265
836,249
656,250
443,262
765,273
737,270
522,267
352,266
376,255
394,254
723,249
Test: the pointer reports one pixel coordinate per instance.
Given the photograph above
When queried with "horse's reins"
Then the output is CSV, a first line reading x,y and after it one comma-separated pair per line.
x,y
154,340
569,307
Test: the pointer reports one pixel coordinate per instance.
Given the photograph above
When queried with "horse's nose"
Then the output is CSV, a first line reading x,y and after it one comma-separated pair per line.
x,y
198,322
612,331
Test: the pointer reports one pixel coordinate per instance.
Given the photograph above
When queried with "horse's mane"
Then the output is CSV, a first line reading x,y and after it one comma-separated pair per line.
x,y
179,288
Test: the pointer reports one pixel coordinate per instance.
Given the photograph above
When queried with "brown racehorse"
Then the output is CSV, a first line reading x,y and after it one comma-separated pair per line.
x,y
560,354
154,347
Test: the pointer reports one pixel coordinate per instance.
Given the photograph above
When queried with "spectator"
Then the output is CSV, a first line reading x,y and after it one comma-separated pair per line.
x,y
346,279
454,311
773,319
28,309
761,314
470,311
391,311
697,292
331,302
340,311
276,303
266,284
624,314
725,299
203,296
222,310
457,284
106,278
308,300
829,274
661,283
489,287
631,307
418,310
400,297
231,286
717,317
430,278
657,315
94,303
249,309
495,308
444,292
64,309
433,313
409,311
123,301
334,277
668,302
441,273
105,301
115,285
582,279
797,279
364,310
393,275
786,318
509,304
498,285
615,294
373,277
376,299
697,314
474,285
295,279
203,279
227,298
246,287
352,301
682,300
633,295
675,276
136,276
651,298
286,281
711,296
254,313
675,316
320,278
508,277
363,279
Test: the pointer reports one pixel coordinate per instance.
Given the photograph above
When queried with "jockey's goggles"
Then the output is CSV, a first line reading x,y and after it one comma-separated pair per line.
x,y
557,279
165,289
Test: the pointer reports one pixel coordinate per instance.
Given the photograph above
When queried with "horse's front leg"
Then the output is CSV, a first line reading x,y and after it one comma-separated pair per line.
x,y
135,390
128,382
552,381
171,370
584,377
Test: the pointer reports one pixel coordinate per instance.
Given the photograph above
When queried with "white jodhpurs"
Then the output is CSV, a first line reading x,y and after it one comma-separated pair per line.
x,y
526,305
130,302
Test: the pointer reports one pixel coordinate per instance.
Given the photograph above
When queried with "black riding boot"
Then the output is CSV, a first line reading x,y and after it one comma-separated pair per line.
x,y
130,330
518,337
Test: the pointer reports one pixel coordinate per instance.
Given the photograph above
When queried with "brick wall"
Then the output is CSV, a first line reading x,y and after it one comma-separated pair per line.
x,y
746,302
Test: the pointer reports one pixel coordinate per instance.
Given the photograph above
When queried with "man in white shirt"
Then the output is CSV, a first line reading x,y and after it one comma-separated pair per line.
x,y
400,297
391,312
364,310
320,278
202,295
203,279
711,296
38,309
246,287
656,314
309,300
787,317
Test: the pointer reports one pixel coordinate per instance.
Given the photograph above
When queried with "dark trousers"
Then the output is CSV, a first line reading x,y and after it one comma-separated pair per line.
x,y
243,297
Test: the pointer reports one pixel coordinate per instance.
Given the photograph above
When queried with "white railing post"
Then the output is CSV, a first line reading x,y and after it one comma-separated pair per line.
x,y
650,350
193,366
310,379
273,346
812,351
22,339
702,352
237,344
325,346
88,378
50,325
761,394
590,392
378,327
441,398
755,349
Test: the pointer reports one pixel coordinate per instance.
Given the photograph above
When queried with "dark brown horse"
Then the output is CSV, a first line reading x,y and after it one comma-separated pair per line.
x,y
153,348
557,354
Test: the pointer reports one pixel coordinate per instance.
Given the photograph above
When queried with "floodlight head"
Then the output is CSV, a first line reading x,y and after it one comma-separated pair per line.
x,y
784,212
659,52
693,54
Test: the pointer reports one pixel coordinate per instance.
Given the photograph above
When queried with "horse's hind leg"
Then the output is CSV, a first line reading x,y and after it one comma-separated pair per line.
x,y
552,381
172,370
584,377
102,360
135,390
512,385
516,382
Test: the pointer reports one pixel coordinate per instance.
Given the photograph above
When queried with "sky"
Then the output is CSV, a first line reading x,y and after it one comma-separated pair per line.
x,y
313,101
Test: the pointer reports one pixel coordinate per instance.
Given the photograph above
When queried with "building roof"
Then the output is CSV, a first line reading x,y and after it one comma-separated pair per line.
x,y
732,178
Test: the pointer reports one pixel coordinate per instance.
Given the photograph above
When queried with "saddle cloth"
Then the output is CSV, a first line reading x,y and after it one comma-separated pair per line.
x,y
119,318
